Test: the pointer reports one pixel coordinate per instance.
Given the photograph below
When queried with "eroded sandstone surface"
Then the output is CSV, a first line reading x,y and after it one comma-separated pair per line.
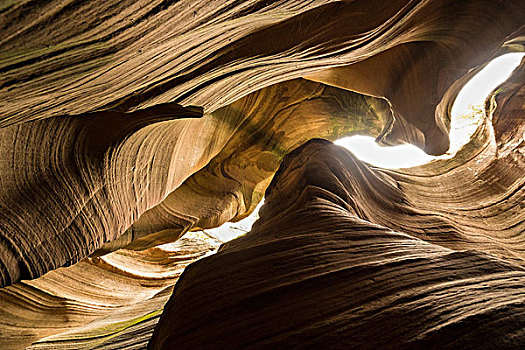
x,y
126,124
316,273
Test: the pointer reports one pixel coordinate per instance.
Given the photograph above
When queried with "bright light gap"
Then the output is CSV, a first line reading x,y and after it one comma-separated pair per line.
x,y
467,113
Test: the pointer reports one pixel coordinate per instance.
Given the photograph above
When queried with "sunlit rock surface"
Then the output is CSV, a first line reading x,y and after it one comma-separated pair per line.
x,y
96,300
324,265
126,124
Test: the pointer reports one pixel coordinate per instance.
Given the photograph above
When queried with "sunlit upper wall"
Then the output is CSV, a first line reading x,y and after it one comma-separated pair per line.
x,y
467,113
471,98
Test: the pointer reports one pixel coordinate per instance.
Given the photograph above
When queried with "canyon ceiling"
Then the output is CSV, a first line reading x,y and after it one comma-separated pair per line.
x,y
126,124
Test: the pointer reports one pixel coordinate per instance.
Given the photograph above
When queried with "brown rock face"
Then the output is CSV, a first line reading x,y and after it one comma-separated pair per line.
x,y
126,124
323,267
88,189
312,271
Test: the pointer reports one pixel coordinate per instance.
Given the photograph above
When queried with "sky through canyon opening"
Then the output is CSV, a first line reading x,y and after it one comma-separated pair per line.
x,y
467,113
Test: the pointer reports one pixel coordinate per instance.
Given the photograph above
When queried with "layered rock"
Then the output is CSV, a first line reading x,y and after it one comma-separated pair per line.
x,y
233,182
311,272
323,267
128,56
129,123
97,301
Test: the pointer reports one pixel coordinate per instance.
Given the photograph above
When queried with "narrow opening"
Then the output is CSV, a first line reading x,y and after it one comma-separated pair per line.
x,y
229,230
467,113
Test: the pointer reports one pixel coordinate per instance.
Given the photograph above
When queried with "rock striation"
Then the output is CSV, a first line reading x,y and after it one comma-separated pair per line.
x,y
129,60
97,302
313,272
127,124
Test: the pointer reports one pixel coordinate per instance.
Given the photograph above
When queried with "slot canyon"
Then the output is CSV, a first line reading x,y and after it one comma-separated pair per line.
x,y
130,130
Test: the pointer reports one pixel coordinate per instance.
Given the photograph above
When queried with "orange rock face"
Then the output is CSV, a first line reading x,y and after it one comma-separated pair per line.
x,y
126,124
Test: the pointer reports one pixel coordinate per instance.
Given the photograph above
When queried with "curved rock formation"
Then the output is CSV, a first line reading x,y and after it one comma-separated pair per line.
x,y
313,272
126,124
233,182
142,56
120,295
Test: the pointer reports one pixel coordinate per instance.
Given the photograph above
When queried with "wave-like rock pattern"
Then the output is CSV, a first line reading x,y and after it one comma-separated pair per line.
x,y
70,184
312,272
322,266
132,61
87,305
101,148
138,54
103,170
474,200
233,182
